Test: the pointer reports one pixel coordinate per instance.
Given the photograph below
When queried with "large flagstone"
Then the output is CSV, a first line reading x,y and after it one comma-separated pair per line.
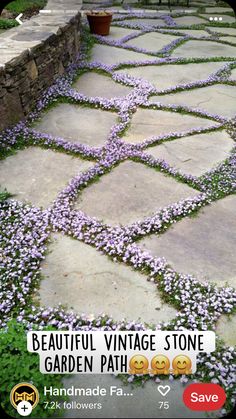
x,y
77,124
225,18
112,55
203,246
228,31
197,33
166,76
129,193
197,48
37,175
233,74
77,275
94,84
218,99
146,22
195,154
148,122
152,41
118,33
189,20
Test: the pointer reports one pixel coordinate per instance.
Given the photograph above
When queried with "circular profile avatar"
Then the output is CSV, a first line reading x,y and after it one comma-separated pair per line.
x,y
24,392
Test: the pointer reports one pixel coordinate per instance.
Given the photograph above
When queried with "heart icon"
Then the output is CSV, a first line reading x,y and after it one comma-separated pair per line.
x,y
163,390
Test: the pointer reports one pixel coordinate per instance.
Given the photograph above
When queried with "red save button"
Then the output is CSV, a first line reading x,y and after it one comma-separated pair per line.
x,y
204,396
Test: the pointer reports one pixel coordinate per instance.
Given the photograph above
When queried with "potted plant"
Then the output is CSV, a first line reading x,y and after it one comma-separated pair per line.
x,y
99,22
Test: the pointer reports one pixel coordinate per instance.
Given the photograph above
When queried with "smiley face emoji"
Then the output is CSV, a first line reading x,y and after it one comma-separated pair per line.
x,y
160,365
182,365
138,365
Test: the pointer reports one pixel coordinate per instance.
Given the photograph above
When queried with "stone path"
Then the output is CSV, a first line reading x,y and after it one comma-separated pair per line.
x,y
150,125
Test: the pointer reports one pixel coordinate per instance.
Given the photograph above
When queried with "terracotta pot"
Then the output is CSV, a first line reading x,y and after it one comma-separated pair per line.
x,y
99,24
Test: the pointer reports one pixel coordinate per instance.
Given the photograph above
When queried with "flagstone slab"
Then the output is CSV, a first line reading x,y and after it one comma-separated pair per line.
x,y
233,74
146,21
118,33
225,18
195,154
112,55
197,33
197,48
229,31
166,76
93,84
231,39
152,41
129,193
37,175
148,122
225,327
203,246
218,9
77,124
79,276
142,404
189,20
218,99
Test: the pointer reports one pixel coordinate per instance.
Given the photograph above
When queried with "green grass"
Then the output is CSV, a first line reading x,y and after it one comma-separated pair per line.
x,y
7,23
20,6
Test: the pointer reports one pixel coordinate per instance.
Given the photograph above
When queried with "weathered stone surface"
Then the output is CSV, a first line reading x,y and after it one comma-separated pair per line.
x,y
113,55
152,41
195,154
166,76
199,48
37,175
219,99
147,122
143,403
229,31
94,84
197,33
79,276
189,20
225,327
231,39
131,191
118,33
233,74
78,124
225,18
147,22
220,10
202,246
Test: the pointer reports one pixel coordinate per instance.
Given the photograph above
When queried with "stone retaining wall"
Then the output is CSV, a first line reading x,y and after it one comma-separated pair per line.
x,y
34,54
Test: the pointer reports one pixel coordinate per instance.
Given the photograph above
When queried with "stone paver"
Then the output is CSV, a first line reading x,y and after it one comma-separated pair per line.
x,y
94,84
38,175
166,76
225,327
189,20
147,21
147,122
77,124
113,55
118,33
233,74
195,48
80,277
231,39
152,41
197,33
131,191
143,403
225,18
229,31
218,99
218,10
195,154
202,246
